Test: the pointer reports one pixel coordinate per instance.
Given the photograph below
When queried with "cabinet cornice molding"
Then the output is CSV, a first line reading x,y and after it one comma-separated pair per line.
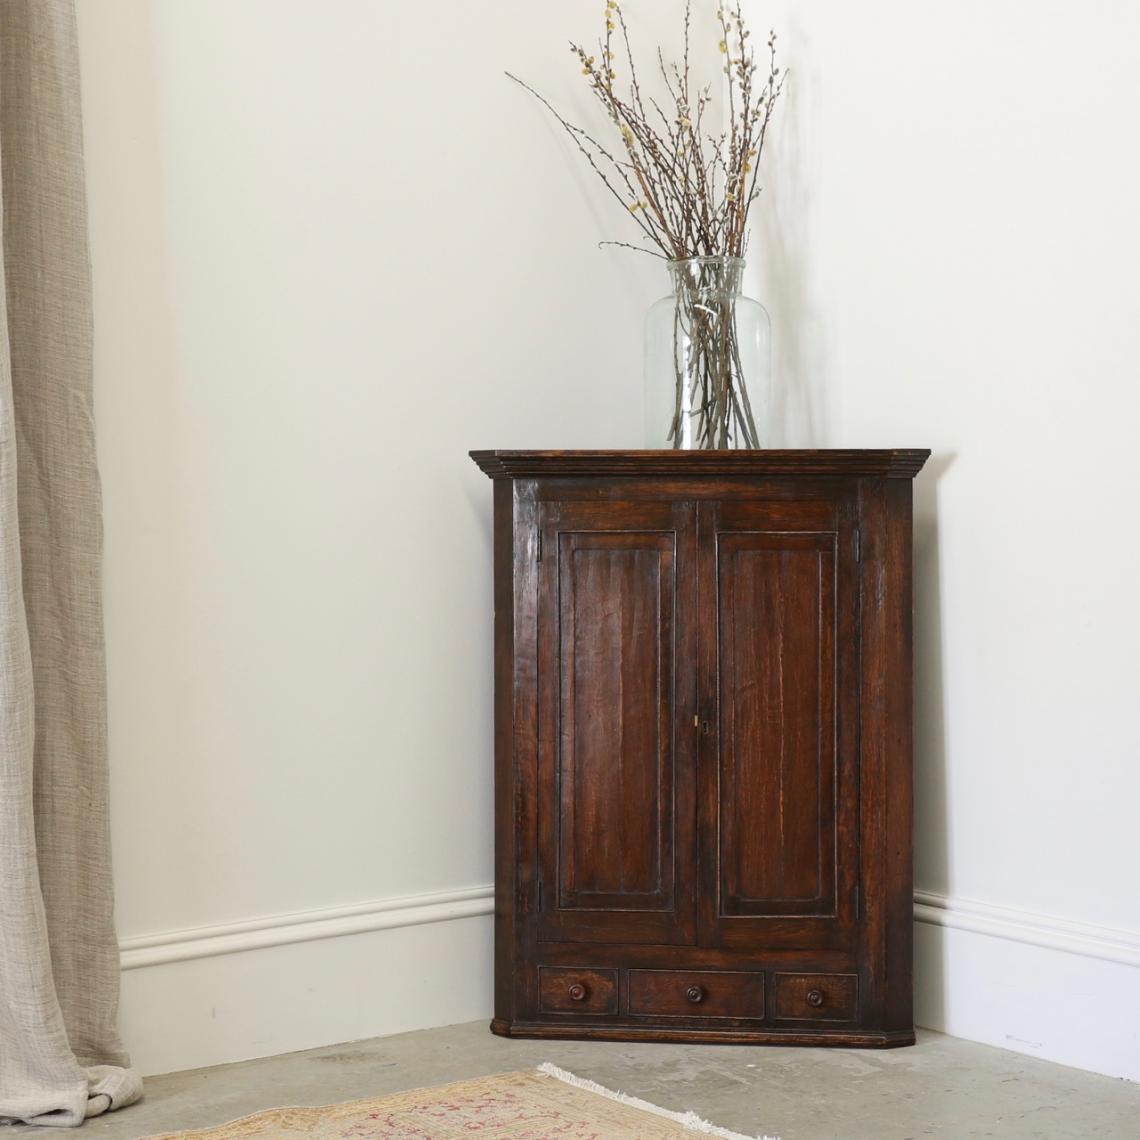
x,y
892,463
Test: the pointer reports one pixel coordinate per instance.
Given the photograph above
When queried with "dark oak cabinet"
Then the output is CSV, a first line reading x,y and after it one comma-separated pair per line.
x,y
703,745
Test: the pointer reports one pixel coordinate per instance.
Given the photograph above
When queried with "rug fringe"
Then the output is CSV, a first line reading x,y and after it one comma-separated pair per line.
x,y
688,1120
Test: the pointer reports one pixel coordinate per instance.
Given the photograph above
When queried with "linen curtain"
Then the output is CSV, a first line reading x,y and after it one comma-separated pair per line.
x,y
60,1055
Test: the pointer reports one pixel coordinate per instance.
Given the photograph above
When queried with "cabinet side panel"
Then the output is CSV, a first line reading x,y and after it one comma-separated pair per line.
x,y
515,734
886,751
503,539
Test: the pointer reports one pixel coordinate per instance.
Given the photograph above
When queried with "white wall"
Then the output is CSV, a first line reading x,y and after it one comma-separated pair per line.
x,y
334,249
328,261
954,242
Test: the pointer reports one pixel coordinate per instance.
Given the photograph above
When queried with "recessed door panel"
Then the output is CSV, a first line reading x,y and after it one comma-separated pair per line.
x,y
779,760
776,623
615,766
615,687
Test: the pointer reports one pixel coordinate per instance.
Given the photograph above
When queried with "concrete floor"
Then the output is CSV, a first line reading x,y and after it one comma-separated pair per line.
x,y
940,1087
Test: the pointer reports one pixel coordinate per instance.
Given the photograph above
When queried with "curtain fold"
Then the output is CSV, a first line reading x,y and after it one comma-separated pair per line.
x,y
60,1055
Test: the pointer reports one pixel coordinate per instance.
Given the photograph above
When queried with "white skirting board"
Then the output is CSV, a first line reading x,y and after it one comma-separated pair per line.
x,y
280,984
1062,991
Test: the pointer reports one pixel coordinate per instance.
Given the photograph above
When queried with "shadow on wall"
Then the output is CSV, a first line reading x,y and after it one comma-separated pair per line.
x,y
136,374
779,259
932,840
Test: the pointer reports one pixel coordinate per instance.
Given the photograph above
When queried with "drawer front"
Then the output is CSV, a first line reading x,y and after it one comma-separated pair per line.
x,y
696,993
577,991
815,997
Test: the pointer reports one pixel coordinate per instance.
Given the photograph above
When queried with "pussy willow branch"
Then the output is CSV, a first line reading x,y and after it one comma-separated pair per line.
x,y
577,134
688,190
635,248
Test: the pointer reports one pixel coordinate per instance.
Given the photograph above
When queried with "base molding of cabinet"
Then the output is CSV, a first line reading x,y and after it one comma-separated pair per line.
x,y
862,1039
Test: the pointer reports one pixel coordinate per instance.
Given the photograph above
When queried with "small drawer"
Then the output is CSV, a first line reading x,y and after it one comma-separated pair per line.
x,y
577,991
696,993
815,997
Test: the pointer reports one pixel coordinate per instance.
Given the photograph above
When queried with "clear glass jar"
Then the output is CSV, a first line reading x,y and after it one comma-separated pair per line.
x,y
707,360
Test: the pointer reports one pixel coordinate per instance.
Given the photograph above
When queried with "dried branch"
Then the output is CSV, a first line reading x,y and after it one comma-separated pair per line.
x,y
686,202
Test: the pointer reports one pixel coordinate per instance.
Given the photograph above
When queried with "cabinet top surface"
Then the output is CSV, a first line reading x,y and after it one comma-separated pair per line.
x,y
895,463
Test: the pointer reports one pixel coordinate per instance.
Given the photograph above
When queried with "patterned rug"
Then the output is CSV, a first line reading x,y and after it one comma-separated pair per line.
x,y
545,1105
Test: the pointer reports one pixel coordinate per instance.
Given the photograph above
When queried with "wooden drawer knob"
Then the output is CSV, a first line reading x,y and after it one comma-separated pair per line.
x,y
577,992
815,998
695,994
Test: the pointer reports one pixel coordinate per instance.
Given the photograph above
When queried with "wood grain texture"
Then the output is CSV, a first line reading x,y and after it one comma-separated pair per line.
x,y
703,746
617,613
886,726
617,599
515,756
697,994
815,997
776,632
892,463
579,991
506,785
819,1035
778,788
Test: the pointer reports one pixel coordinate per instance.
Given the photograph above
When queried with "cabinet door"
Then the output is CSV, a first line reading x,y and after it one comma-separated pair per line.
x,y
616,687
778,762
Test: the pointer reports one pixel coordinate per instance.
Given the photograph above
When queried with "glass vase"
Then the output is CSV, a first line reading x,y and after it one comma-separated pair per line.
x,y
707,360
